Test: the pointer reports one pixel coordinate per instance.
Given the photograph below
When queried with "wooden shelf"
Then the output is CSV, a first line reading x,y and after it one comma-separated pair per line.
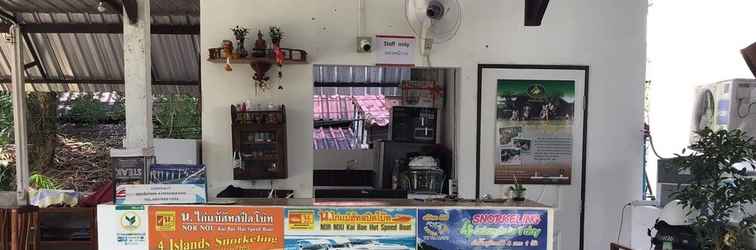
x,y
291,56
253,60
259,143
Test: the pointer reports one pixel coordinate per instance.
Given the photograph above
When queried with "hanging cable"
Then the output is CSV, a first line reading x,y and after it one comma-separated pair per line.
x,y
622,221
653,149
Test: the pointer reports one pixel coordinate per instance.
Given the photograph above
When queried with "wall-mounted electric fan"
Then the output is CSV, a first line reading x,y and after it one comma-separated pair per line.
x,y
433,21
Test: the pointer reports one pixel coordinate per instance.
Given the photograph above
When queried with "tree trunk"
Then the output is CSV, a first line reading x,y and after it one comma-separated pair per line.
x,y
42,128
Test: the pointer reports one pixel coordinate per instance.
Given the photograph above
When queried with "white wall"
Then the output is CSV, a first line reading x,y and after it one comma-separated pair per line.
x,y
608,35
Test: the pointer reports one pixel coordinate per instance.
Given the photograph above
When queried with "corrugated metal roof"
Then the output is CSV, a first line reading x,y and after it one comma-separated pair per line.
x,y
157,7
94,62
359,75
333,138
342,108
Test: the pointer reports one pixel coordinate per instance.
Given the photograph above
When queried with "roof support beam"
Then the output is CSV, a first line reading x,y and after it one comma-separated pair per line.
x,y
99,81
34,54
19,116
534,11
137,68
115,28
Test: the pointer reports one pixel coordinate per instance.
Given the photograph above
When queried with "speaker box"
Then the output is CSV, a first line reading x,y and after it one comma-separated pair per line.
x,y
749,54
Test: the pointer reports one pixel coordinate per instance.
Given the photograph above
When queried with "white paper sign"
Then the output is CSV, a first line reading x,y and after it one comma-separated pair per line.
x,y
122,227
132,227
161,194
395,50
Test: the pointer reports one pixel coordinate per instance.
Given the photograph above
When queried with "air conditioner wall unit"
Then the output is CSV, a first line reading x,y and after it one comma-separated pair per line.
x,y
729,104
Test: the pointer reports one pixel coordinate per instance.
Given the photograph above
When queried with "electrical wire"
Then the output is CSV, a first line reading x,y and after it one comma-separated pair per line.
x,y
622,221
540,196
653,149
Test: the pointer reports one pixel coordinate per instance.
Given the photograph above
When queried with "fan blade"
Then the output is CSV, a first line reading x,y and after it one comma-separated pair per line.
x,y
445,28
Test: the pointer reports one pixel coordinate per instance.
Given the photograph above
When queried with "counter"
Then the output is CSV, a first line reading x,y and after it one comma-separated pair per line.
x,y
328,224
377,203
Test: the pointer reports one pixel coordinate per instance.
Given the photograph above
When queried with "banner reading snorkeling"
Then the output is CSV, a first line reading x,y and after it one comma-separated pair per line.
x,y
482,229
350,228
215,227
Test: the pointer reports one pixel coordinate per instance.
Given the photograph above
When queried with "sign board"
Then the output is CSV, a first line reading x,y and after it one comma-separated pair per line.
x,y
131,227
395,50
350,228
215,227
130,170
483,229
178,174
161,194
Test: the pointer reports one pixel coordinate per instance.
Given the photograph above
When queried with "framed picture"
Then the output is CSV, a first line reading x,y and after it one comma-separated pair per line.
x,y
531,129
531,123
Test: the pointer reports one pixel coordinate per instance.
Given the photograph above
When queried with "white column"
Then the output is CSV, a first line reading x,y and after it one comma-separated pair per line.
x,y
19,115
138,79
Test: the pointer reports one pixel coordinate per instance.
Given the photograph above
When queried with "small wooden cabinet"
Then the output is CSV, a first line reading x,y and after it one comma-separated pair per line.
x,y
259,144
68,228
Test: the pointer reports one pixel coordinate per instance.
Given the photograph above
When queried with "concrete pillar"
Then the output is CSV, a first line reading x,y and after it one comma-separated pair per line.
x,y
138,79
19,115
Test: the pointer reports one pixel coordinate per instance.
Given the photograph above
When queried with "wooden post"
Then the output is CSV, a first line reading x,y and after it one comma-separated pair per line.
x,y
19,115
138,77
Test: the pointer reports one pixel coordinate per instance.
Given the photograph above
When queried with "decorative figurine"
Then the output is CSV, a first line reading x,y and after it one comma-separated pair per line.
x,y
260,45
228,49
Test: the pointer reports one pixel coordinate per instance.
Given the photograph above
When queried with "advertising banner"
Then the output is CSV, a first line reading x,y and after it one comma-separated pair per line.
x,y
534,125
350,228
215,227
451,229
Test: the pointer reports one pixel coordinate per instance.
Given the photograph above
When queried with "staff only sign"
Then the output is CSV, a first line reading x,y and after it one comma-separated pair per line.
x,y
395,50
226,228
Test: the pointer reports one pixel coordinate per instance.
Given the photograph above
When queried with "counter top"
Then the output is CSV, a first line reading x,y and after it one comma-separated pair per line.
x,y
376,203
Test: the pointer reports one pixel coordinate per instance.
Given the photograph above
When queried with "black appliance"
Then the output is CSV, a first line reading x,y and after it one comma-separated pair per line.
x,y
680,237
414,124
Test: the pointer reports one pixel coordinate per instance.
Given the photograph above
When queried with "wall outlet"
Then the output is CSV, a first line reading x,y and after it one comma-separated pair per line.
x,y
364,44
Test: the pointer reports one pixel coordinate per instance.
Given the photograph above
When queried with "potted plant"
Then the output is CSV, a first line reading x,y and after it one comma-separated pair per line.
x,y
240,33
518,191
719,193
275,35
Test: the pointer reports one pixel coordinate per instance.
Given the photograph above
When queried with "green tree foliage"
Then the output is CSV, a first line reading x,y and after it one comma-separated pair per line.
x,y
7,178
719,192
177,117
6,118
87,111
